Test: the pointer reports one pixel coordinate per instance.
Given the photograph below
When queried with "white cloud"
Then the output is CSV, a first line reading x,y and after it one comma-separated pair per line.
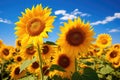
x,y
114,30
72,15
5,21
107,19
68,16
58,12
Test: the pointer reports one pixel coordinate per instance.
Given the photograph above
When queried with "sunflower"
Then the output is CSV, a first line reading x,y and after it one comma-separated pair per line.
x,y
47,51
96,50
113,55
93,49
10,67
45,69
18,43
14,51
29,52
5,52
90,53
16,74
116,46
116,64
34,24
66,61
18,59
75,36
34,68
104,40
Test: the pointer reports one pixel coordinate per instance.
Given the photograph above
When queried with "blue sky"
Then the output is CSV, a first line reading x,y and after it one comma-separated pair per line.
x,y
103,15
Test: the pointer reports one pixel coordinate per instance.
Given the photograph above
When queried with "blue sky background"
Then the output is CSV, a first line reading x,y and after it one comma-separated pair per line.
x,y
104,16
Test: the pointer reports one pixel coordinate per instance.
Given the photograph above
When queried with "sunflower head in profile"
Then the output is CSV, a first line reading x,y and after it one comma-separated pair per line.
x,y
34,24
104,40
75,36
66,61
16,74
113,55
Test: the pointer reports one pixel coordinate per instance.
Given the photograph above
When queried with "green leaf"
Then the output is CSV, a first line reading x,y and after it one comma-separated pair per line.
x,y
56,67
88,63
50,42
26,63
109,77
89,74
28,78
5,78
106,69
76,76
57,77
33,60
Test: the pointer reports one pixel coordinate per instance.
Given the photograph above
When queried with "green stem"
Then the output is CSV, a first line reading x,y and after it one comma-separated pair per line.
x,y
40,62
76,65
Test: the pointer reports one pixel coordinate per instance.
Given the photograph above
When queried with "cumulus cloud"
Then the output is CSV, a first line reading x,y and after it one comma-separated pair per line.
x,y
5,21
72,15
114,30
107,19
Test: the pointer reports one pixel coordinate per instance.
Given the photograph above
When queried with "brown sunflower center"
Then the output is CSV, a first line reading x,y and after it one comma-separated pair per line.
x,y
17,49
90,53
96,50
6,52
64,61
104,41
14,53
75,37
19,43
30,50
117,46
116,63
17,71
45,49
45,70
19,58
113,54
35,65
35,27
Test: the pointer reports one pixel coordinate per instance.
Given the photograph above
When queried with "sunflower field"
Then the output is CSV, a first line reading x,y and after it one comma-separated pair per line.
x,y
76,54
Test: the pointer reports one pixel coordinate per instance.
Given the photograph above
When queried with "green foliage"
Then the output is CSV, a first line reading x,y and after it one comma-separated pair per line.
x,y
50,43
56,67
89,74
106,69
76,76
89,63
56,77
